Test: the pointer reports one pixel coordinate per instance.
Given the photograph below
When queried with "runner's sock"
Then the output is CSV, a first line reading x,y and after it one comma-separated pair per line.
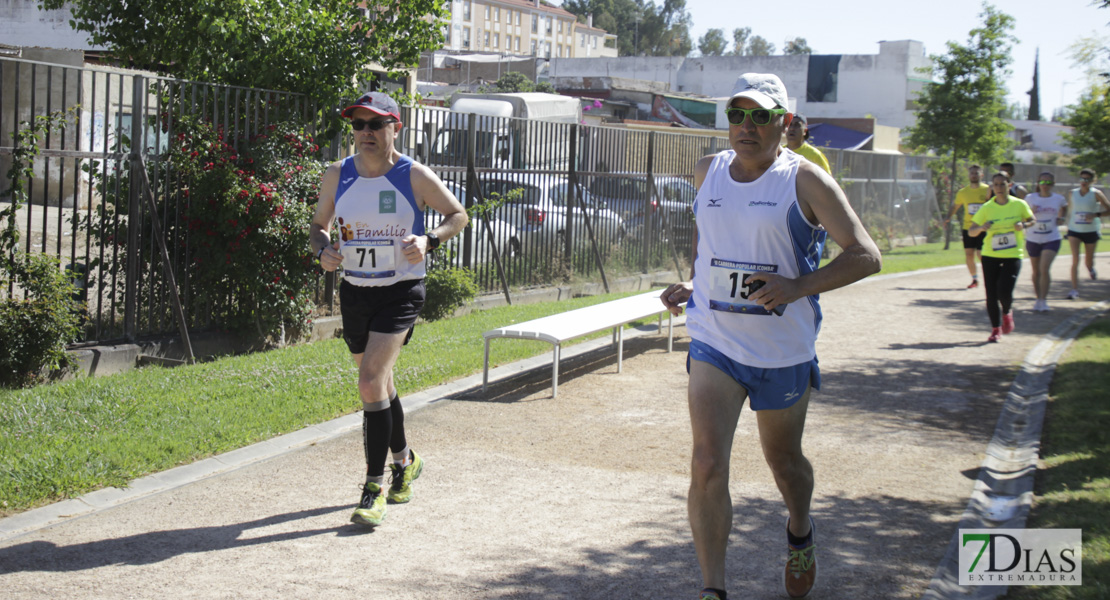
x,y
397,442
376,431
799,542
402,458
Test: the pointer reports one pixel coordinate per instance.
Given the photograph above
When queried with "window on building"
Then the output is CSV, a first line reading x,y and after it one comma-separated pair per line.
x,y
595,41
560,26
821,82
485,39
535,23
497,40
518,43
549,26
487,13
466,37
547,51
508,42
533,50
496,13
518,13
447,36
466,10
583,41
508,16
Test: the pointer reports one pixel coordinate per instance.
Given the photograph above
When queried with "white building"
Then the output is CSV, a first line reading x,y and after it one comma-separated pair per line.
x,y
22,24
882,85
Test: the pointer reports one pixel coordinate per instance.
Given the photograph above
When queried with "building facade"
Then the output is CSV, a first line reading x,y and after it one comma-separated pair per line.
x,y
522,27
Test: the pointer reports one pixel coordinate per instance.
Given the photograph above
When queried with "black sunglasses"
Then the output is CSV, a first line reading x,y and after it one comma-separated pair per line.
x,y
373,125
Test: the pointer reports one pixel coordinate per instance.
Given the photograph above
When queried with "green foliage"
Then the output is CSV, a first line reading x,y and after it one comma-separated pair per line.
x,y
514,82
242,221
315,47
740,37
447,290
642,28
961,109
759,46
34,329
798,45
1090,120
712,43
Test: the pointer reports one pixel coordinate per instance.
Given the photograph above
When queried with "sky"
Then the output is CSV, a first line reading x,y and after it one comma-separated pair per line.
x,y
856,27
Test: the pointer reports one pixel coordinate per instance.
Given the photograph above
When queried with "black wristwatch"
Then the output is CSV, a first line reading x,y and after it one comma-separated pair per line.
x,y
433,240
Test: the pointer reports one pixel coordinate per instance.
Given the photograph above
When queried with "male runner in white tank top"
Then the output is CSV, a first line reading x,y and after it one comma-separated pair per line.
x,y
763,214
378,198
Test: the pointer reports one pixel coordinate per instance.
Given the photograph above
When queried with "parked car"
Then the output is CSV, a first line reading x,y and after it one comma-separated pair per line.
x,y
506,236
628,195
540,211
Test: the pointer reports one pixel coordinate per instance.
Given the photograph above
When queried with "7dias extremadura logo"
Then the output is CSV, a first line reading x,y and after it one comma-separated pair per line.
x,y
1021,557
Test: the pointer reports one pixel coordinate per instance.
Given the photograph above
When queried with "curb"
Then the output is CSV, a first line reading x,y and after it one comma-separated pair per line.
x,y
27,522
1003,494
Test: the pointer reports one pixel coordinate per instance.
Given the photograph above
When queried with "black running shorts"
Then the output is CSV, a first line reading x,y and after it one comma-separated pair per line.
x,y
385,309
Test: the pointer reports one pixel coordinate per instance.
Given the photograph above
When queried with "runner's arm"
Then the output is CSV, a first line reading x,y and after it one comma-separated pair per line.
x,y
824,203
320,227
677,293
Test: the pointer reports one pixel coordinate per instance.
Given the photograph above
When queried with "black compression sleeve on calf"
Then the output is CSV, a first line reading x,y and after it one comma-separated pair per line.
x,y
397,442
377,428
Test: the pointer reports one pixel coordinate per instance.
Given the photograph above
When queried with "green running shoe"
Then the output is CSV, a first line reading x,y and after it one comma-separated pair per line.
x,y
371,509
400,481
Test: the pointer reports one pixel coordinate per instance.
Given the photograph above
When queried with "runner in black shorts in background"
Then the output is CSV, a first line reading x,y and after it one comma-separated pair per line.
x,y
378,197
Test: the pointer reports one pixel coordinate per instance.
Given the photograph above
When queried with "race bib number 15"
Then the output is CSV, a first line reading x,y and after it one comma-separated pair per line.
x,y
369,259
730,284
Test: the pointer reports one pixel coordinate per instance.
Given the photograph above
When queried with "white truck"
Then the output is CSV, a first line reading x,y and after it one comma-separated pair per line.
x,y
507,131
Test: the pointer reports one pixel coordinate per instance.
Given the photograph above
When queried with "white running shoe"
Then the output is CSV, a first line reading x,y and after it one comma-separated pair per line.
x,y
1044,305
1072,295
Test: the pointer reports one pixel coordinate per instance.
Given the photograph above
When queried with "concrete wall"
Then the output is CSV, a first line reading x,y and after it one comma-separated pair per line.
x,y
23,24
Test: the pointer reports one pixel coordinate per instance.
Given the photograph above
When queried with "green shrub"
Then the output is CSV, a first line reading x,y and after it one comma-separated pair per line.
x,y
35,330
447,290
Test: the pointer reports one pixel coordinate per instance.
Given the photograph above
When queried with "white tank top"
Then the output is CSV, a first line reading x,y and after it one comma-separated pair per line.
x,y
1083,210
1045,210
746,228
373,214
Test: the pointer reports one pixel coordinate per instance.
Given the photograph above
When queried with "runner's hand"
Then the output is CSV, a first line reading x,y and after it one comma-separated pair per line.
x,y
775,290
414,247
675,295
330,258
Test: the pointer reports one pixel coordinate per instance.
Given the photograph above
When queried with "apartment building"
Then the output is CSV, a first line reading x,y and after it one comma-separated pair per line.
x,y
521,27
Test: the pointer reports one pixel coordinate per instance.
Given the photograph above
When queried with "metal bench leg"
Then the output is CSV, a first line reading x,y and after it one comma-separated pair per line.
x,y
555,372
670,332
620,349
485,368
661,322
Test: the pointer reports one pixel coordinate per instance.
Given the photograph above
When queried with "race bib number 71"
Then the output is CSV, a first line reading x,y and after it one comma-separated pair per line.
x,y
369,259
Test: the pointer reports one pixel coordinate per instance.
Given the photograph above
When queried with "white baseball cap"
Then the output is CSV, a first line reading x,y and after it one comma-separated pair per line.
x,y
765,89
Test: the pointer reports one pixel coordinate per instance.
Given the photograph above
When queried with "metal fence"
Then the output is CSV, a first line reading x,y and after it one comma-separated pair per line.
x,y
574,201
124,121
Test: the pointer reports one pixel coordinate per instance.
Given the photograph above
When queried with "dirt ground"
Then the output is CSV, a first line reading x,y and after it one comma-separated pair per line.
x,y
583,497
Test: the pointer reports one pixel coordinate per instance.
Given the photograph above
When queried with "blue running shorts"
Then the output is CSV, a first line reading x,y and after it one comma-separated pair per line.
x,y
768,389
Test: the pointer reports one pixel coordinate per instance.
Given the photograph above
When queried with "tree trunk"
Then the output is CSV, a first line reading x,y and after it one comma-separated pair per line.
x,y
951,200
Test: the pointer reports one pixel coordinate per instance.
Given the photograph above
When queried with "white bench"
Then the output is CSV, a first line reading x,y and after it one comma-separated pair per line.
x,y
559,328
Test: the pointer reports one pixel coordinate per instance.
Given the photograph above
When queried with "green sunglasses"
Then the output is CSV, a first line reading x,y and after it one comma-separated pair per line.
x,y
759,116
1046,182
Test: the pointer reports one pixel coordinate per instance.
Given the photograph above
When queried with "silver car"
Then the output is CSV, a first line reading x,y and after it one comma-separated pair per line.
x,y
504,233
537,207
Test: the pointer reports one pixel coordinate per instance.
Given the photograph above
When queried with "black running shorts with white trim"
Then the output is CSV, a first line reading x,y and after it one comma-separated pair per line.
x,y
973,243
384,309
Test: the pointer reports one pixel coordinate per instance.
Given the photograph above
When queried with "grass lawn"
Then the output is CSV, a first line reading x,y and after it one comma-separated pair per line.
x,y
1073,485
62,440
922,256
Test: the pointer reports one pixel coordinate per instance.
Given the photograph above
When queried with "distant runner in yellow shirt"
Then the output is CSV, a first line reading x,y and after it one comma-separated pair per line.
x,y
971,198
1004,220
796,136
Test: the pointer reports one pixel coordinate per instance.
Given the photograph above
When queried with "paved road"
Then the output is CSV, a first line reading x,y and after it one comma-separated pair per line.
x,y
584,496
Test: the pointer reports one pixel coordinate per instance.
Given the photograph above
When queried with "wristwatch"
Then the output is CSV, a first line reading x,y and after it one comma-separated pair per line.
x,y
433,240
